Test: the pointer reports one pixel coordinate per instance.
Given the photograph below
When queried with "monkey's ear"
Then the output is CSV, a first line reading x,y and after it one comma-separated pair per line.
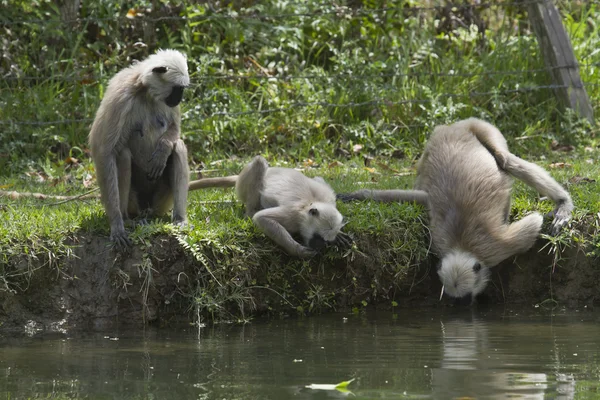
x,y
160,70
314,212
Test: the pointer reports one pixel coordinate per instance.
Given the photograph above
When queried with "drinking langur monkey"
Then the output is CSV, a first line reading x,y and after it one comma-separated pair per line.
x,y
283,202
464,179
141,162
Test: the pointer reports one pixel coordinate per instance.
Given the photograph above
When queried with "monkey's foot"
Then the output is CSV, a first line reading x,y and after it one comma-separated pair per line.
x,y
132,223
183,224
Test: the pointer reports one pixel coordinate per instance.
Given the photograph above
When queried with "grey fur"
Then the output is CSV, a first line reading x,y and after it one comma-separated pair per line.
x,y
284,202
464,178
141,162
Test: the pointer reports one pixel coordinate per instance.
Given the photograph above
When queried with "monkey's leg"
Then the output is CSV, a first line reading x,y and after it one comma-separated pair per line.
x,y
179,179
536,177
250,184
491,138
124,171
268,220
108,180
517,237
386,196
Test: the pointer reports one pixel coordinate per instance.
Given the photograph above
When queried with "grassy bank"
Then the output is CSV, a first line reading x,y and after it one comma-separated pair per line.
x,y
223,267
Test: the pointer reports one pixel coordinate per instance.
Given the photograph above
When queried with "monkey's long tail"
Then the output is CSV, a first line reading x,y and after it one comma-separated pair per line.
x,y
221,182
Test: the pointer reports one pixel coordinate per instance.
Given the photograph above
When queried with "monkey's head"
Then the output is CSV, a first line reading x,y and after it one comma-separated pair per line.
x,y
462,275
165,75
321,225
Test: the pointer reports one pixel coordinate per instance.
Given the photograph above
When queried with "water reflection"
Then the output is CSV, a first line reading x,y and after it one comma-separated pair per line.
x,y
411,354
471,367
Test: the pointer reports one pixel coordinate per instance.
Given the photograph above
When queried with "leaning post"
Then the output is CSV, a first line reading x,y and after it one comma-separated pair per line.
x,y
559,57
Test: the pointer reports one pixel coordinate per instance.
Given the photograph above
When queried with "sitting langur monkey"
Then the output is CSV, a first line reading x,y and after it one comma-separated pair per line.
x,y
463,178
141,162
284,202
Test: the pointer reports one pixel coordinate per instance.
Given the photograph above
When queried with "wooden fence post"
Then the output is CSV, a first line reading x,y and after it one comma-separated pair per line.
x,y
559,57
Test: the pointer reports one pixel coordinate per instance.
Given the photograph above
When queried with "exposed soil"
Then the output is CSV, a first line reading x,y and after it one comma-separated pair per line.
x,y
100,289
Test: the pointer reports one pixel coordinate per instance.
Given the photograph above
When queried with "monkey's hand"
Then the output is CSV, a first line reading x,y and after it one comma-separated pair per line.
x,y
120,238
562,215
343,240
158,161
304,252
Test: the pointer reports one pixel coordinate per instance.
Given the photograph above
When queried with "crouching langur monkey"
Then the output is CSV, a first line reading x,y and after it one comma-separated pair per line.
x,y
284,202
141,162
464,179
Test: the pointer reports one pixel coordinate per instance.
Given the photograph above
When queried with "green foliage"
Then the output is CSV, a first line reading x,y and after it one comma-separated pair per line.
x,y
312,84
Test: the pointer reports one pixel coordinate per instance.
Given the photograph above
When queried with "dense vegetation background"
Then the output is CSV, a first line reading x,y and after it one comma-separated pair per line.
x,y
297,80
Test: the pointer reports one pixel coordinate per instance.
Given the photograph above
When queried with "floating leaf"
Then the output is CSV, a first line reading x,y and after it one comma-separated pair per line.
x,y
131,13
342,386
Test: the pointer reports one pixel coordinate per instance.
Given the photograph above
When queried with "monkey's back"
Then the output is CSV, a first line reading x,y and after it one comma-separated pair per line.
x,y
286,187
468,193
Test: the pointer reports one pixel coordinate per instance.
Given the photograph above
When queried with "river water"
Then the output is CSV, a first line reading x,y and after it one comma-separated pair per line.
x,y
438,354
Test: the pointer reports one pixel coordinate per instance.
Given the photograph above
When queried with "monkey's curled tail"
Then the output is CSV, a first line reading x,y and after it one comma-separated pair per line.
x,y
221,182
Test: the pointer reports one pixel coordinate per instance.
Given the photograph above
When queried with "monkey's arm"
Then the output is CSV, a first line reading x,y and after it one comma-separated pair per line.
x,y
269,221
220,182
514,238
108,180
386,196
536,177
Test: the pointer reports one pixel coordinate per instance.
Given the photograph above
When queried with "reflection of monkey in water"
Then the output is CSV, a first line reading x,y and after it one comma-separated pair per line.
x,y
464,179
283,202
141,163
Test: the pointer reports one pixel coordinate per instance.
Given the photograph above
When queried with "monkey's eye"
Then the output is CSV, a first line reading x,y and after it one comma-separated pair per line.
x,y
477,267
159,70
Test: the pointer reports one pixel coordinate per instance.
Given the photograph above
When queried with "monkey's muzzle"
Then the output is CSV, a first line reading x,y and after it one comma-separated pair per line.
x,y
317,242
175,97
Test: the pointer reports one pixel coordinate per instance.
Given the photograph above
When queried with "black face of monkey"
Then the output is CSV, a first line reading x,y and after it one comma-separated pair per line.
x,y
466,300
175,97
317,242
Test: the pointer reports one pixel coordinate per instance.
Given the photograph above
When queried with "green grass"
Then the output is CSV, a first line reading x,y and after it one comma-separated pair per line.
x,y
237,266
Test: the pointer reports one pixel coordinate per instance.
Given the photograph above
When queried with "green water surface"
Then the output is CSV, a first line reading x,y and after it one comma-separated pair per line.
x,y
441,354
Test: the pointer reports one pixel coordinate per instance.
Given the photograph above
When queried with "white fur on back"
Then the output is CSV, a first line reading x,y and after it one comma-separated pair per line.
x,y
289,186
459,278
